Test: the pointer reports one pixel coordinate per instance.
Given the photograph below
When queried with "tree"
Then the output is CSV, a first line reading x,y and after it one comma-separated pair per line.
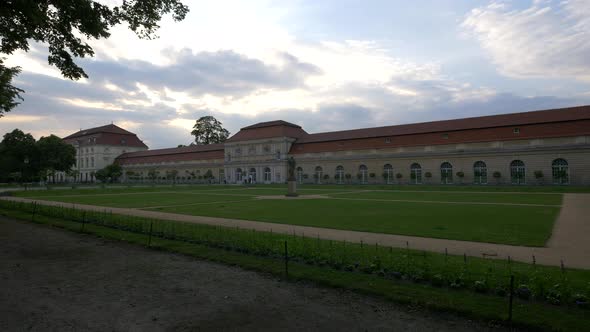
x,y
209,130
18,157
62,24
110,173
55,155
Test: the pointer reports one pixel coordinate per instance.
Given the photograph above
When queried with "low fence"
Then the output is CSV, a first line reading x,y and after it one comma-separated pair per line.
x,y
494,277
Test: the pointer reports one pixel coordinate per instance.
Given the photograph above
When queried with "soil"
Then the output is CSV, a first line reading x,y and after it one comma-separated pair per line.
x,y
54,280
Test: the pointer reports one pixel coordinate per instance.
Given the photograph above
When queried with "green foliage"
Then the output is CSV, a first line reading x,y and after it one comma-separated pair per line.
x,y
24,159
428,175
62,25
497,174
538,174
460,174
399,176
9,95
209,130
111,173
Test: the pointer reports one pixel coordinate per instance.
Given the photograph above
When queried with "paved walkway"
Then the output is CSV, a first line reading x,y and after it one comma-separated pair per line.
x,y
570,242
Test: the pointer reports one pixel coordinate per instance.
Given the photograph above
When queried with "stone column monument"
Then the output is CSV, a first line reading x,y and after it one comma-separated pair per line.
x,y
291,180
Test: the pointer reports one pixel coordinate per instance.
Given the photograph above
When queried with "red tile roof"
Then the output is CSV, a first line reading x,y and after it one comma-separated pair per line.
x,y
567,122
185,153
106,135
491,121
278,128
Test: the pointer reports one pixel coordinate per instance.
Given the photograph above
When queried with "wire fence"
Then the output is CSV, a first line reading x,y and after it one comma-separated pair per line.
x,y
504,278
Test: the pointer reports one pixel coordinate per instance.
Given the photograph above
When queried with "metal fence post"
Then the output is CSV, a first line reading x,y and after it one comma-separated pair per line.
x,y
286,261
511,298
150,236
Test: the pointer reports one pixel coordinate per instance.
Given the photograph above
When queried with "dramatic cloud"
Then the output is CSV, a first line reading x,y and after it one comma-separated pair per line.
x,y
246,62
548,39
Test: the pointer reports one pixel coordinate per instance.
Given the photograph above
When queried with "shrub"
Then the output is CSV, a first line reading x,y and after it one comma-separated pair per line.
x,y
538,174
359,176
326,177
348,176
497,175
480,286
438,280
398,176
371,175
460,174
523,292
428,175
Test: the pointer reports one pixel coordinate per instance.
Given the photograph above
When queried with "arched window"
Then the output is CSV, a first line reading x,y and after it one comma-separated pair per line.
x,y
446,173
388,173
238,174
252,174
480,173
340,174
318,175
416,173
362,175
299,175
267,175
517,172
560,171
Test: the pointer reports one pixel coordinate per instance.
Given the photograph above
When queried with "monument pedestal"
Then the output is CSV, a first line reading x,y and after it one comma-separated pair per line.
x,y
292,189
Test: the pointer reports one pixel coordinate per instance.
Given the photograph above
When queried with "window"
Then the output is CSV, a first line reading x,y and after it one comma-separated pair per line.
x,y
318,175
278,155
340,174
516,130
480,173
560,171
267,175
123,141
86,163
362,175
388,140
238,174
238,151
446,173
388,173
266,148
300,175
445,136
517,172
91,161
416,173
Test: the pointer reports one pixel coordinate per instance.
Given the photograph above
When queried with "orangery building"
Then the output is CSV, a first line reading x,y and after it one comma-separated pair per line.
x,y
550,147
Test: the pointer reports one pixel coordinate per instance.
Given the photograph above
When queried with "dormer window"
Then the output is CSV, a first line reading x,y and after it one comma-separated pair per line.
x,y
388,140
516,131
278,155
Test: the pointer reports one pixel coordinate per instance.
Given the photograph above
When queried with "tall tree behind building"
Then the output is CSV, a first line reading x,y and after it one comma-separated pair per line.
x,y
209,130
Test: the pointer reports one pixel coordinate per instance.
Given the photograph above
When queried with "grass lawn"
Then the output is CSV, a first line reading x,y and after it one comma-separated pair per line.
x,y
473,213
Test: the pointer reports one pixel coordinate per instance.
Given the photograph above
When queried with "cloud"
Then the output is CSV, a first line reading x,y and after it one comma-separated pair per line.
x,y
548,39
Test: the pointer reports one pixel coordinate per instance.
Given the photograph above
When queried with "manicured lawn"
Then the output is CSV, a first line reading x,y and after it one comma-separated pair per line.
x,y
482,223
473,214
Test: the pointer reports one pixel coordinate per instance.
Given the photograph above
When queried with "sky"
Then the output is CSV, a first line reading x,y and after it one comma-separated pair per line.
x,y
324,65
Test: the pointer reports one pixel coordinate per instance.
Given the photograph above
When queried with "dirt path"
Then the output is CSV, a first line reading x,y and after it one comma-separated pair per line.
x,y
569,243
53,280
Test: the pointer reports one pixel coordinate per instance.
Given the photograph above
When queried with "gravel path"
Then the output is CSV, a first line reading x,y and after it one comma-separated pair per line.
x,y
53,280
569,243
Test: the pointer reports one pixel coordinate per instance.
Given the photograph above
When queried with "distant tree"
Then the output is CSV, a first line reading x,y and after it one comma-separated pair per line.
x,y
110,173
55,155
62,24
18,157
208,130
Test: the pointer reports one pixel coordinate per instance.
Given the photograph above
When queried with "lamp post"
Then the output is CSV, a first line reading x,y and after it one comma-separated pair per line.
x,y
22,173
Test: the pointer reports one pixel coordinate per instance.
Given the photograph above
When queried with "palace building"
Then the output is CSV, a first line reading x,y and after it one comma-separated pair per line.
x,y
529,148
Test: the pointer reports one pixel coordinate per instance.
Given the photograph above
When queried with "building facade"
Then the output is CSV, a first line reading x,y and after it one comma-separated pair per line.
x,y
530,148
98,147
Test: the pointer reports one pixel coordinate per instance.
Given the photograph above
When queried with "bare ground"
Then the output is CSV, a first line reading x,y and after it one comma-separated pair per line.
x,y
53,280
